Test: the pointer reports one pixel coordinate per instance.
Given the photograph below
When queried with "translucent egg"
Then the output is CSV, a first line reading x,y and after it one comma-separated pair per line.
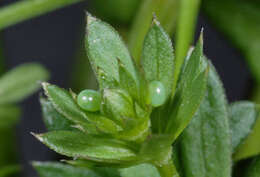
x,y
157,93
89,100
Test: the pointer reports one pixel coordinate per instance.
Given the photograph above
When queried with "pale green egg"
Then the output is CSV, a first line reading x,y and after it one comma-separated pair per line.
x,y
157,93
89,100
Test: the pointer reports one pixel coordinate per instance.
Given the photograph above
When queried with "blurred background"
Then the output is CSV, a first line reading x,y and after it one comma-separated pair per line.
x,y
53,40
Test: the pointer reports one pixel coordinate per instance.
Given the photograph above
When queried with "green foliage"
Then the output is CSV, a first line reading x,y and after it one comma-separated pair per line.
x,y
52,118
251,145
190,92
23,10
120,133
184,34
18,83
105,47
51,169
77,144
128,132
205,147
163,9
243,116
157,57
140,171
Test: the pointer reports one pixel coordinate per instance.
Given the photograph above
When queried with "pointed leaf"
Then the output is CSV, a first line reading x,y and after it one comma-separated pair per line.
x,y
53,169
127,83
190,93
54,120
104,47
80,145
66,105
242,118
157,57
205,147
20,82
188,12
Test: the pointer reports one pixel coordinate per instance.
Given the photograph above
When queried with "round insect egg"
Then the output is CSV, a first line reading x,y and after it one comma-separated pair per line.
x,y
89,100
157,93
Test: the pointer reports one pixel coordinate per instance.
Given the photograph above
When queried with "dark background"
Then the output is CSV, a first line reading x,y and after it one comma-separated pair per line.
x,y
52,40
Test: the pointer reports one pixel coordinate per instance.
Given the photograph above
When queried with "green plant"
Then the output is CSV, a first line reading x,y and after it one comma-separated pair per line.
x,y
134,134
15,85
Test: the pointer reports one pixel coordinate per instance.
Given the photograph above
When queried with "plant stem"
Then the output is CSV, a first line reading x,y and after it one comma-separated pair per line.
x,y
256,93
168,170
26,9
166,11
185,30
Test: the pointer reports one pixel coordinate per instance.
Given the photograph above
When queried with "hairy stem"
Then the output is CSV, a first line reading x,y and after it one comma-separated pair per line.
x,y
26,9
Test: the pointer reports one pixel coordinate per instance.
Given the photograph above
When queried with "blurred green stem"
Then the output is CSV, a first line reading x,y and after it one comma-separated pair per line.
x,y
168,170
2,62
189,10
165,10
256,93
26,9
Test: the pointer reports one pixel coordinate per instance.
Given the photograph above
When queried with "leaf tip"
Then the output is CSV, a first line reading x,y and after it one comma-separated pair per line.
x,y
45,85
38,136
90,18
201,36
155,20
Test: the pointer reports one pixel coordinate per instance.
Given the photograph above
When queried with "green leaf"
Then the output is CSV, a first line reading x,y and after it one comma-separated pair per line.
x,y
156,150
9,115
127,83
52,169
119,106
143,170
9,170
20,82
242,118
190,92
188,13
239,21
22,10
254,168
165,10
80,145
205,147
53,120
157,57
105,47
64,103
251,145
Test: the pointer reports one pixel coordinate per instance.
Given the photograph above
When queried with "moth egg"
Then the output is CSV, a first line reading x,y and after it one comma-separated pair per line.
x,y
89,100
157,93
